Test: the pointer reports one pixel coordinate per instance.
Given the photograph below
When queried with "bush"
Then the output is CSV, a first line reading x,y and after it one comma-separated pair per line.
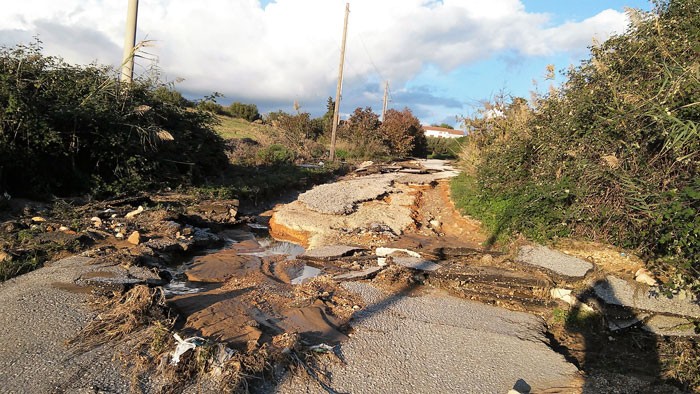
x,y
403,133
444,148
248,112
275,154
612,155
211,106
68,129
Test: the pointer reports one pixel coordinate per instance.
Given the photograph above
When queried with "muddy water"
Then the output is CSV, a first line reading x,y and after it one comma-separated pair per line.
x,y
253,289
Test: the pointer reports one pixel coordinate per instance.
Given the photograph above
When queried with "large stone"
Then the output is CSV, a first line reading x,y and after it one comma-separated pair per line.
x,y
134,238
330,252
670,326
554,261
618,291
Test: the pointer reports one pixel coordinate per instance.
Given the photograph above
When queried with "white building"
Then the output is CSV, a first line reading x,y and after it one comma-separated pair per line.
x,y
431,131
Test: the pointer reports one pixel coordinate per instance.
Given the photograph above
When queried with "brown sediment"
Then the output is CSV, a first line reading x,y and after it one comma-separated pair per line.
x,y
72,288
283,233
221,266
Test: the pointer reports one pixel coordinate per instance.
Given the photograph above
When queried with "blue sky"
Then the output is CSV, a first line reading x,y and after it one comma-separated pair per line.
x,y
441,57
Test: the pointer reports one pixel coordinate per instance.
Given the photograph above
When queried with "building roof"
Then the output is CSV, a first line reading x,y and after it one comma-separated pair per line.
x,y
444,130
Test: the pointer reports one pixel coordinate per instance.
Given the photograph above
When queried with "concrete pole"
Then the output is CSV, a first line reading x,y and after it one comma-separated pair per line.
x,y
129,42
386,89
340,84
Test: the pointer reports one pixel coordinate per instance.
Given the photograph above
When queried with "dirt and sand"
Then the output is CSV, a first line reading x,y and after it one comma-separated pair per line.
x,y
337,309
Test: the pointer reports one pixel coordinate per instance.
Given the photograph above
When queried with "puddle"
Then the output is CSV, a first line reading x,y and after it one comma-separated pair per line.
x,y
273,247
307,273
72,288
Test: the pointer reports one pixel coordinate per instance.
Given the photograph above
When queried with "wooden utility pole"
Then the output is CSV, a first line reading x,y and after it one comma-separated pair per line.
x,y
386,89
340,84
129,42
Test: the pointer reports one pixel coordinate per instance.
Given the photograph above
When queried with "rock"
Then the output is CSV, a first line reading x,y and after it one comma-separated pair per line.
x,y
119,235
63,228
134,238
616,291
670,326
415,263
164,245
222,211
487,258
357,275
617,324
436,224
644,276
97,222
38,219
3,256
330,252
134,213
202,237
170,227
383,252
554,261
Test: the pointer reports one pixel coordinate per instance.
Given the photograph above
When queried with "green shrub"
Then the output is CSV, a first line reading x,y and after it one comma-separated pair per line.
x,y
68,129
275,154
612,155
444,148
248,112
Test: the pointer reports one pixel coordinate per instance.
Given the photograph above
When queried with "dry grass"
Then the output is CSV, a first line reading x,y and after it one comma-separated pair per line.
x,y
122,315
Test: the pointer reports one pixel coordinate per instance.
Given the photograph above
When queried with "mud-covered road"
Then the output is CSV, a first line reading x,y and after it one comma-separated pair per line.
x,y
373,283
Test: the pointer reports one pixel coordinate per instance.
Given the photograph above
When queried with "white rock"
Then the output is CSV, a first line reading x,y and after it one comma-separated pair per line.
x,y
38,219
134,213
97,222
119,235
436,224
381,261
63,228
644,276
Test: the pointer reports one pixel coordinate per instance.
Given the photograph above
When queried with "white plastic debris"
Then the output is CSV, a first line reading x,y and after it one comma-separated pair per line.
x,y
183,346
321,348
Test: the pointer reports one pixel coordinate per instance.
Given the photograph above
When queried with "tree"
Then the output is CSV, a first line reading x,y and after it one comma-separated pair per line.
x,y
403,133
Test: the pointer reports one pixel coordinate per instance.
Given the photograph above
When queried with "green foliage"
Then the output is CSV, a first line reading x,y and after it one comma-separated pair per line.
x,y
211,106
275,154
443,125
248,112
612,155
444,148
68,129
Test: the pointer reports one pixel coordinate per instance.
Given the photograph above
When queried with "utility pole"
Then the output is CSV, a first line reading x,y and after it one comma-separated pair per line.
x,y
340,84
129,42
386,89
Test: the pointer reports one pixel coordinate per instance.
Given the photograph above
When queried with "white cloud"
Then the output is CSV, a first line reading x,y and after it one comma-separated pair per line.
x,y
289,49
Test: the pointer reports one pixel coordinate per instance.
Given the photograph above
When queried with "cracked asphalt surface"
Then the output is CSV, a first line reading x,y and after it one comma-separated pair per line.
x,y
432,342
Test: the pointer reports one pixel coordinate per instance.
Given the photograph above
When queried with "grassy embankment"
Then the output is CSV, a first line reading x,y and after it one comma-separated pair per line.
x,y
611,155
